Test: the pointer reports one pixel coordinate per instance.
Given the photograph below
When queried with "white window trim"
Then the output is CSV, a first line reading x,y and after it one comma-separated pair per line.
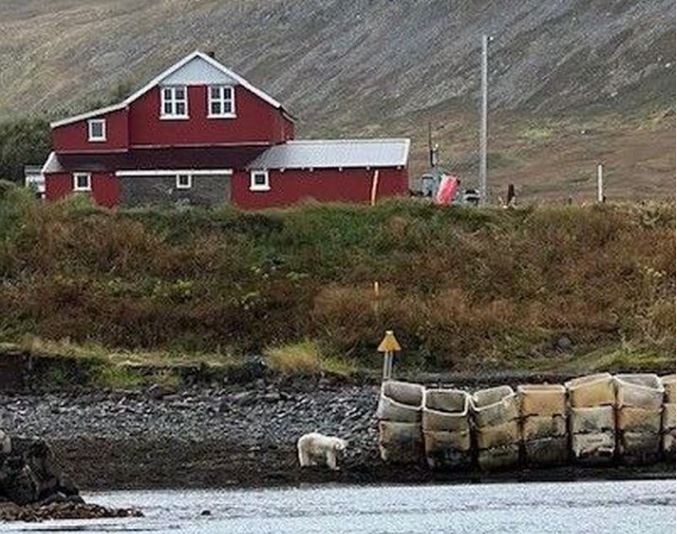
x,y
174,101
90,136
77,175
231,113
179,185
253,186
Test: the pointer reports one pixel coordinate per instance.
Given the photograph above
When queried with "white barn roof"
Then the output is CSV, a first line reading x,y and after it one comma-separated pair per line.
x,y
334,153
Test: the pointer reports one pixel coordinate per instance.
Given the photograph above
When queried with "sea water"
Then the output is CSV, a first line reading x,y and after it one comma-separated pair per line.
x,y
641,507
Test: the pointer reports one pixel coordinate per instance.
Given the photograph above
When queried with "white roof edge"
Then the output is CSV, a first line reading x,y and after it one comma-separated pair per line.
x,y
237,77
87,115
155,81
405,140
51,156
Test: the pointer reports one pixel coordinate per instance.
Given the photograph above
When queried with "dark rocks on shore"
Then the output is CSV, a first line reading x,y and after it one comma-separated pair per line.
x,y
32,488
10,511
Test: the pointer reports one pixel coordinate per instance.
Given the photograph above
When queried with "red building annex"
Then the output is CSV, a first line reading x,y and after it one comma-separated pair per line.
x,y
199,134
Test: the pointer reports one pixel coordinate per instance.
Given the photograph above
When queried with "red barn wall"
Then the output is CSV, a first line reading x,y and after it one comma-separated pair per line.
x,y
73,137
256,121
325,185
105,187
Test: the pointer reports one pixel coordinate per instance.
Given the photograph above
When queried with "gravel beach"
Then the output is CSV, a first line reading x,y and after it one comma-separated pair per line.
x,y
239,435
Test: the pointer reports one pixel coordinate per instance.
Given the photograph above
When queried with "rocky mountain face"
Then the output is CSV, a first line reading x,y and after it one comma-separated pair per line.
x,y
337,62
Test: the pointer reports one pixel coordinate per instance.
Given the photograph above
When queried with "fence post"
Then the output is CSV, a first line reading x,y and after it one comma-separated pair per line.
x,y
600,182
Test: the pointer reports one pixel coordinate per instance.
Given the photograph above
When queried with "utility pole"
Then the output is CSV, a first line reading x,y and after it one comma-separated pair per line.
x,y
483,122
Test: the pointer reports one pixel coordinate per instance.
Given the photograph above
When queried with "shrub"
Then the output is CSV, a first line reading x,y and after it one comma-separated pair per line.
x,y
462,288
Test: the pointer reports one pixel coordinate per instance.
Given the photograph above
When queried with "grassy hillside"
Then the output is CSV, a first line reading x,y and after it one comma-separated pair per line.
x,y
571,83
463,288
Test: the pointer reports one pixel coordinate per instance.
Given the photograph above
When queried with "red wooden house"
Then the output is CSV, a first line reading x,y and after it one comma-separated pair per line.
x,y
201,134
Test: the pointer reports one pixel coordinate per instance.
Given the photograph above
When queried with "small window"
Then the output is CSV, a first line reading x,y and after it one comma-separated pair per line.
x,y
221,102
184,181
259,181
96,129
82,181
174,103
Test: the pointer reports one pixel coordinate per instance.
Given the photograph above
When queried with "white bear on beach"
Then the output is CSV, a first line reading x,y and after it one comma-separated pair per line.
x,y
316,447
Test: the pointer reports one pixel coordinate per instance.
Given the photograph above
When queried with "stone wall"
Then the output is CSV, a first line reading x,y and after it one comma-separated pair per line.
x,y
136,191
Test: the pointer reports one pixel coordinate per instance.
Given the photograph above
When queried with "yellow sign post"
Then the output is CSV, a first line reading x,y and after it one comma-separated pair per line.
x,y
388,347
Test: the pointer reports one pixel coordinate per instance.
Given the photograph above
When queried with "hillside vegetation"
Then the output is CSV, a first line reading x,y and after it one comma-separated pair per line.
x,y
463,288
571,83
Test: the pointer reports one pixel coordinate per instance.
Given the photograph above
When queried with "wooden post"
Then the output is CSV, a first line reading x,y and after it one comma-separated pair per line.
x,y
374,187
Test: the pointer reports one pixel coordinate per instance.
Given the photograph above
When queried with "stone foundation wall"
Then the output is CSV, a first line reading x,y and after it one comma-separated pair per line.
x,y
137,191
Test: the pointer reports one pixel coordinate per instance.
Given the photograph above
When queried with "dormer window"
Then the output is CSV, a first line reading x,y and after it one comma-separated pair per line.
x,y
96,130
174,102
258,181
221,101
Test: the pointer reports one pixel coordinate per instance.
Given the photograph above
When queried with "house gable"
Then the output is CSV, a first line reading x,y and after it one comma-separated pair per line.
x,y
192,67
198,72
256,117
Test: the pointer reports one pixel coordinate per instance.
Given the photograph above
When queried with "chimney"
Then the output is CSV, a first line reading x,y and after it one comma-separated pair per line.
x,y
211,54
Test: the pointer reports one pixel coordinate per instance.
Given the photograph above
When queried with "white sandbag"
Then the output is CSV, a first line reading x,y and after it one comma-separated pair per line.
x,y
494,406
639,447
542,399
639,391
638,420
400,402
446,410
668,421
498,458
669,445
591,391
669,386
498,436
400,442
447,449
592,420
593,447
547,451
549,426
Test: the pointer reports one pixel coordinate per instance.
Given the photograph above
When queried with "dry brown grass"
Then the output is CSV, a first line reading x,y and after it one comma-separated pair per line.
x,y
462,287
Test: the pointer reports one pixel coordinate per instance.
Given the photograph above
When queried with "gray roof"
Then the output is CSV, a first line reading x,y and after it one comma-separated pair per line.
x,y
334,153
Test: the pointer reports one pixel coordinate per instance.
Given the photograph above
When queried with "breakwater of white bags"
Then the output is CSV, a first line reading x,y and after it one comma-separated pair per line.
x,y
596,419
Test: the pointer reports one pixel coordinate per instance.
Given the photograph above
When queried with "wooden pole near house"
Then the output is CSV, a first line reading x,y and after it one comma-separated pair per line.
x,y
483,120
374,187
600,182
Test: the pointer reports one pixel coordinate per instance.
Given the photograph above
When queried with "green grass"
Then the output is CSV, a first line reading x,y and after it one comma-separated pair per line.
x,y
305,358
463,288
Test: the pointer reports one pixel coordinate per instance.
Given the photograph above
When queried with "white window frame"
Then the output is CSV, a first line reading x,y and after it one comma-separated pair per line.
x,y
221,100
253,186
179,185
168,96
76,186
90,134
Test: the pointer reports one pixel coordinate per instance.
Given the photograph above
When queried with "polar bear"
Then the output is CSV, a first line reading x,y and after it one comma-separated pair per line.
x,y
316,447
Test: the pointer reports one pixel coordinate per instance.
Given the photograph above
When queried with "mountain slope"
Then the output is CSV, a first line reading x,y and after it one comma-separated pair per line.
x,y
369,67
